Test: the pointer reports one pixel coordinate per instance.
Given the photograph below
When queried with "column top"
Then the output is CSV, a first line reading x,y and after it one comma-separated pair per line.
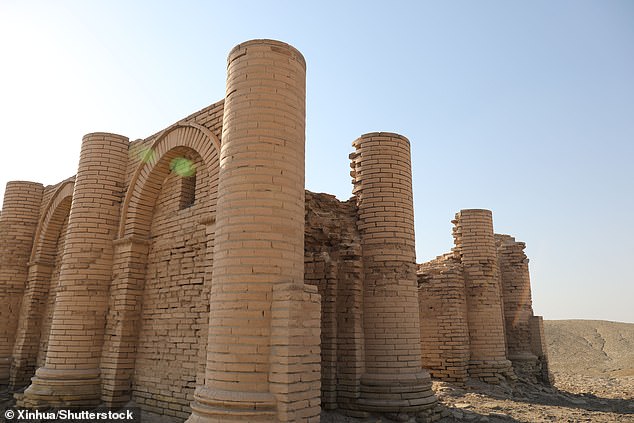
x,y
275,45
475,211
22,183
104,135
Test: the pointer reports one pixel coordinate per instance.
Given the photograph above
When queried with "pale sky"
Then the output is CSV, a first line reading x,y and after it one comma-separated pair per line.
x,y
524,108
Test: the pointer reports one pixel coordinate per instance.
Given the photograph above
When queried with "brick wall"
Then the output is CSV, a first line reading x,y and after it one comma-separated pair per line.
x,y
320,310
516,290
444,331
175,299
333,263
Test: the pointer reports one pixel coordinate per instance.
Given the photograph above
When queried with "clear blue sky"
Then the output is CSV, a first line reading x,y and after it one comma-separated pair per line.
x,y
525,108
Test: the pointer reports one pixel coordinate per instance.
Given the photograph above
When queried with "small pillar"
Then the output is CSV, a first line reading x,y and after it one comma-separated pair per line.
x,y
263,348
71,374
516,293
18,222
475,245
394,380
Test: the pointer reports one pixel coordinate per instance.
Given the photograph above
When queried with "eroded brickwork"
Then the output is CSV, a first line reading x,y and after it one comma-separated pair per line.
x,y
518,309
383,187
333,262
475,306
20,211
36,311
444,330
191,273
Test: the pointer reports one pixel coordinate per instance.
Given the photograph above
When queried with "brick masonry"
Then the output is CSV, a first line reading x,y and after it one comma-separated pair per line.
x,y
191,273
476,311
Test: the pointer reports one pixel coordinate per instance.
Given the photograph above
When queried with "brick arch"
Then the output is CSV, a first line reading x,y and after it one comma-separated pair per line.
x,y
146,181
39,294
50,223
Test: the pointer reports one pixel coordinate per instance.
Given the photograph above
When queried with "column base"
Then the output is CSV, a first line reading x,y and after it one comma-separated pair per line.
x,y
409,393
215,406
70,388
492,371
5,367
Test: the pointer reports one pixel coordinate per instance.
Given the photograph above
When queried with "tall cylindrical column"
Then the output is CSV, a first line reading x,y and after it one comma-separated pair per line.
x,y
259,239
475,244
18,221
71,375
394,380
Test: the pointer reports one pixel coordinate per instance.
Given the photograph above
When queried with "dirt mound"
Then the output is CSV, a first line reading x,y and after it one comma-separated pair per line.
x,y
590,347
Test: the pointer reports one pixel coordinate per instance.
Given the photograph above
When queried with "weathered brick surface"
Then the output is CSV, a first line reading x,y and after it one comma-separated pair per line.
x,y
450,298
36,311
258,265
77,328
333,263
383,187
444,330
475,245
18,221
202,281
516,291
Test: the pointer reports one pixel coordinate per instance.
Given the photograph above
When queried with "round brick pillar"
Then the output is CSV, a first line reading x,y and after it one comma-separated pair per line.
x,y
475,243
71,375
18,222
259,239
394,380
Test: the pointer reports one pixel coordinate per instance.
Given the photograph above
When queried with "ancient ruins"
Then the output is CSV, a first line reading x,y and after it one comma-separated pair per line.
x,y
191,273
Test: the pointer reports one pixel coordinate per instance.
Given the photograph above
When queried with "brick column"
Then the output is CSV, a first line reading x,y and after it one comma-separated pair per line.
x,y
123,321
27,340
258,339
516,292
71,375
18,221
475,244
394,380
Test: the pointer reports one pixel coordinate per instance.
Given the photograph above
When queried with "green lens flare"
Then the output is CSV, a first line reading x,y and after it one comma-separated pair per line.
x,y
143,153
182,166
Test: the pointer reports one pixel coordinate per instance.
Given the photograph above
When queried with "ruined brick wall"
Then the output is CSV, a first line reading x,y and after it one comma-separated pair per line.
x,y
133,283
444,331
516,291
524,331
333,263
475,245
476,310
